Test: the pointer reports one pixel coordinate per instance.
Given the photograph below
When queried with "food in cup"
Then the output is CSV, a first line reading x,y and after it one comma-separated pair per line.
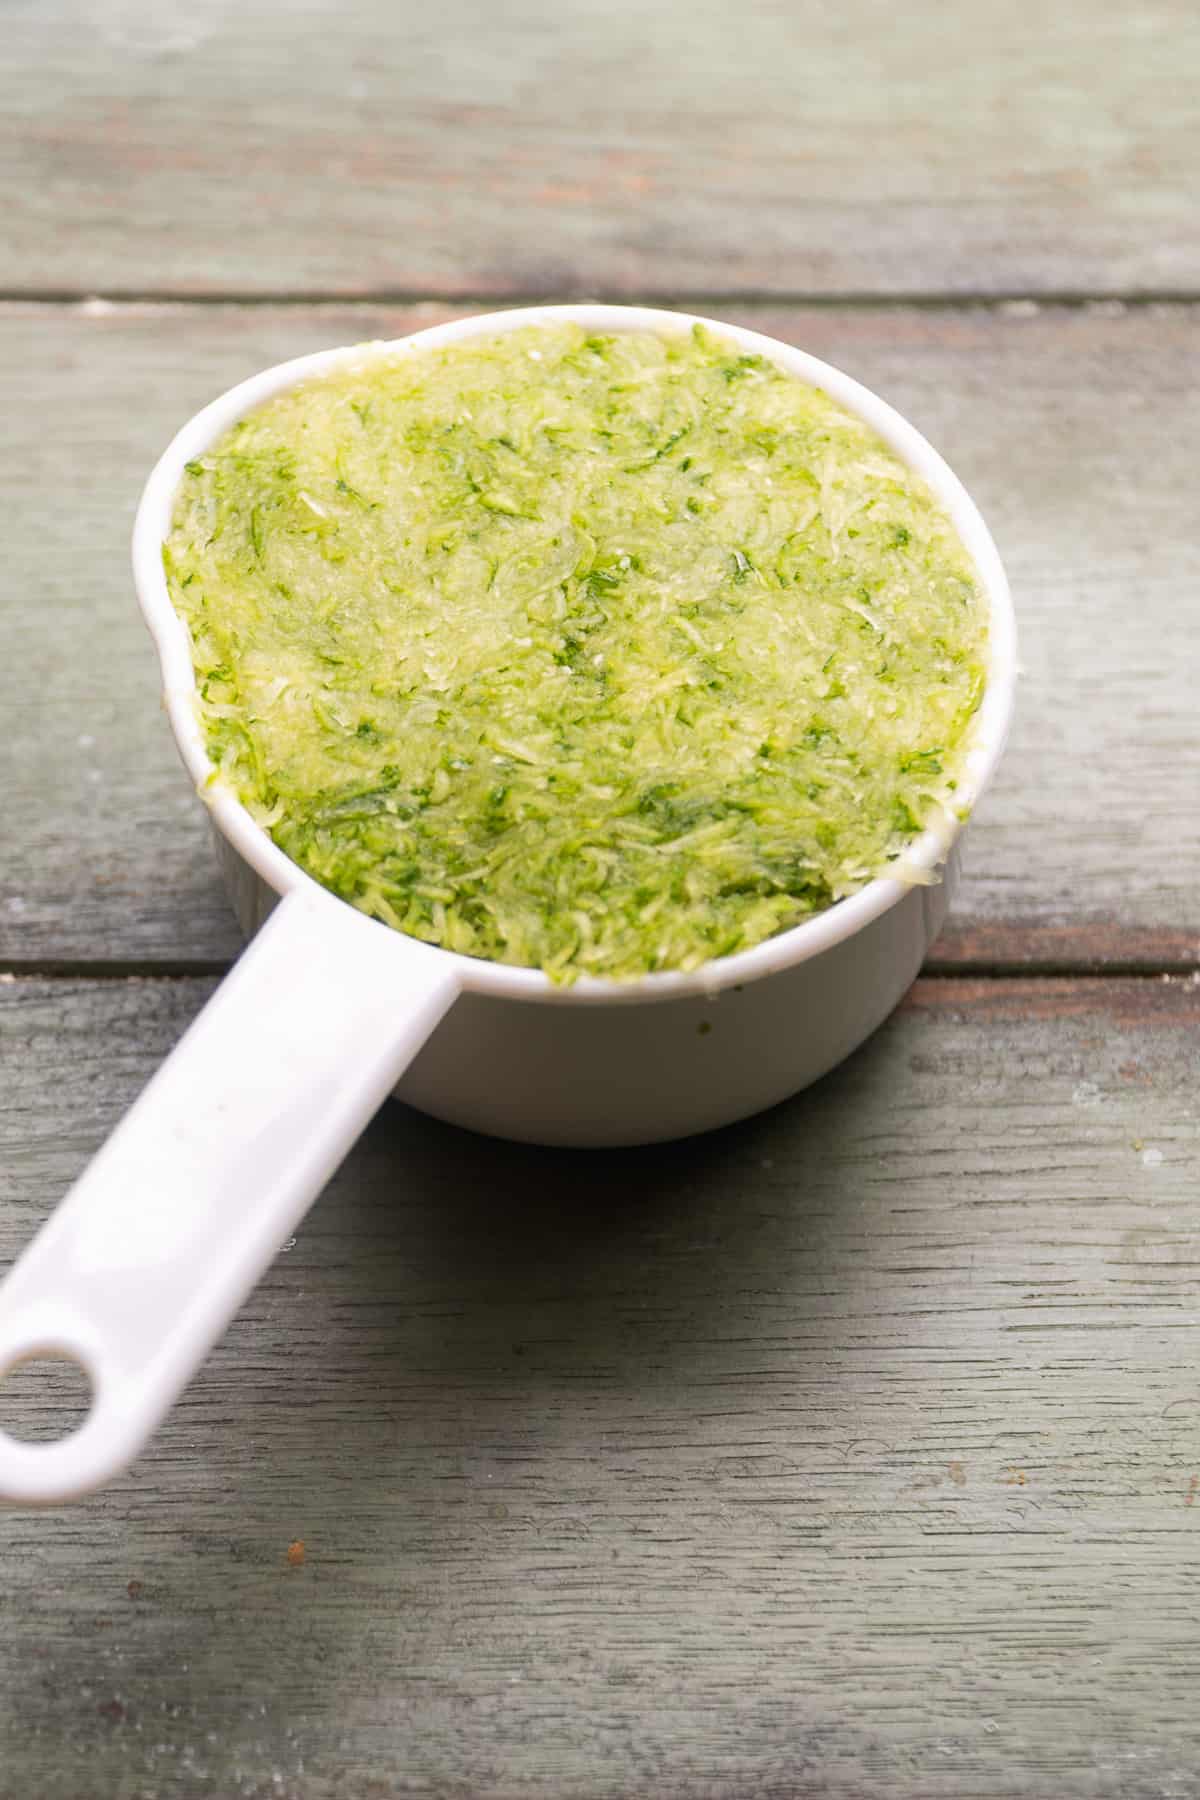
x,y
599,653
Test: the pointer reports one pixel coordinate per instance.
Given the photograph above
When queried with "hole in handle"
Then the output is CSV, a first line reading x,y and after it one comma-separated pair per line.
x,y
45,1397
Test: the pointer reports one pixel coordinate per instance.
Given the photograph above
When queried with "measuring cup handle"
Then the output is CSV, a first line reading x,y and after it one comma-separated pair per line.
x,y
142,1266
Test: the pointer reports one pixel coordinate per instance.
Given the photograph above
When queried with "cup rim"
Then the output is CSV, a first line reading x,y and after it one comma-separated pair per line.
x,y
798,943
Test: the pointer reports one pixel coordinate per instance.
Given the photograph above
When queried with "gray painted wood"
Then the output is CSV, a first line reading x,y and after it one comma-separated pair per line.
x,y
852,1452
605,146
1073,427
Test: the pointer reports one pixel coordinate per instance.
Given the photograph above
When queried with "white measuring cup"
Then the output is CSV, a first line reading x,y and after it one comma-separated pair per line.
x,y
138,1272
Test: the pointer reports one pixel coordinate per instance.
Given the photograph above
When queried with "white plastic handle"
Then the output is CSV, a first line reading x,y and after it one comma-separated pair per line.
x,y
147,1259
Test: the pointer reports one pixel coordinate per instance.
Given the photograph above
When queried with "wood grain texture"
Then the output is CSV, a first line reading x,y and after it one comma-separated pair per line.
x,y
1073,427
604,146
852,1452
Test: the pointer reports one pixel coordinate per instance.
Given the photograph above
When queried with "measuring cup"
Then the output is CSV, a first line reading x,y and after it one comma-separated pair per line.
x,y
146,1260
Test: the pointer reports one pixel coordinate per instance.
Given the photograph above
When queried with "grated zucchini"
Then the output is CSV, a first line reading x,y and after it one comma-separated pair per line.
x,y
597,654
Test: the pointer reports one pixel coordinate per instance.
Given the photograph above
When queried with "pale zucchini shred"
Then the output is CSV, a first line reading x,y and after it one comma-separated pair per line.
x,y
597,654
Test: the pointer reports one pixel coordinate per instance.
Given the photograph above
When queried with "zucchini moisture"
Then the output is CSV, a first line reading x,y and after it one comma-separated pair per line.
x,y
601,654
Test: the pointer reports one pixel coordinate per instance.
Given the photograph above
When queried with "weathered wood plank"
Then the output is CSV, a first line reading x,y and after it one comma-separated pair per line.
x,y
1073,427
764,148
851,1452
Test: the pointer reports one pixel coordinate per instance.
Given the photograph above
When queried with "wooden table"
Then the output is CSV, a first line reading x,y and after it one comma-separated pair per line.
x,y
852,1451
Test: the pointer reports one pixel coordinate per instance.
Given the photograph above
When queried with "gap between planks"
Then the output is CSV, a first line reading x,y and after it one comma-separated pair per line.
x,y
502,299
951,981
1019,950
